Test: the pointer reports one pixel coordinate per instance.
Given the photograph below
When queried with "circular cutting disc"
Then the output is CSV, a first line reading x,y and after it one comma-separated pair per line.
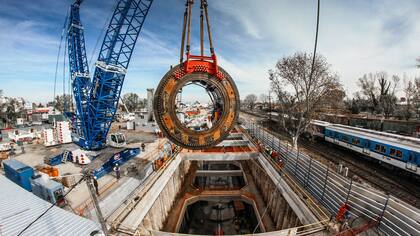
x,y
225,98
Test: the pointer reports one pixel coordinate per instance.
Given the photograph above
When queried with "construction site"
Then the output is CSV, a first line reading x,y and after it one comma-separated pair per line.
x,y
201,161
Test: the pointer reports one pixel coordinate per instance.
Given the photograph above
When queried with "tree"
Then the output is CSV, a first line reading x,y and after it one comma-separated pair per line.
x,y
250,100
335,103
263,98
133,101
409,92
301,90
416,96
62,103
12,109
379,90
357,104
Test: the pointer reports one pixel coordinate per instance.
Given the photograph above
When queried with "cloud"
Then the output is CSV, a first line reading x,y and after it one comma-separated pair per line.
x,y
356,37
27,53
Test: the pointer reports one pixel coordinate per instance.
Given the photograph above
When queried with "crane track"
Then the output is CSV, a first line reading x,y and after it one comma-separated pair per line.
x,y
372,173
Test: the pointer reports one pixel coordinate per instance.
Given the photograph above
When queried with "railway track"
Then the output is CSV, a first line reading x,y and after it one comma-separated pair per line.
x,y
376,176
371,172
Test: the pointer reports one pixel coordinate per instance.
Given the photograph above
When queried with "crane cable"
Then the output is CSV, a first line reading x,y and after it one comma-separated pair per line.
x,y
64,76
104,27
58,56
49,208
186,29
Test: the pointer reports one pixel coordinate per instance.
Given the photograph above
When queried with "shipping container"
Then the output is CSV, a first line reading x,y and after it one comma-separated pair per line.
x,y
49,190
19,173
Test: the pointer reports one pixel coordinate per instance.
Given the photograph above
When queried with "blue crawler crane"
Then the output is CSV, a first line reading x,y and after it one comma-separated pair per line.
x,y
96,99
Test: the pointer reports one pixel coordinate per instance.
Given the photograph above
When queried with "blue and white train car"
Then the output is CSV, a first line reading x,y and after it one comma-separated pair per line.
x,y
397,150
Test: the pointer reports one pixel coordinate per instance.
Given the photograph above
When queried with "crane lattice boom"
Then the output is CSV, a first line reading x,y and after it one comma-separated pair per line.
x,y
96,100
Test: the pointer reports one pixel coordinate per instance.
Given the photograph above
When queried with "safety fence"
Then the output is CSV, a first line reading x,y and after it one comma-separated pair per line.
x,y
332,190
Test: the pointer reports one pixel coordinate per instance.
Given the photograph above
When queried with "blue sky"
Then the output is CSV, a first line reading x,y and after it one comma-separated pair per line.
x,y
356,37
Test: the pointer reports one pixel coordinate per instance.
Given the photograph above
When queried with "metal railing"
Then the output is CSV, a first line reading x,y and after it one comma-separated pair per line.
x,y
333,190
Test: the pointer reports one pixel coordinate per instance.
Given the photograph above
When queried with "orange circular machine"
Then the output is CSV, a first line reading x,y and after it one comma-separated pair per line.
x,y
204,72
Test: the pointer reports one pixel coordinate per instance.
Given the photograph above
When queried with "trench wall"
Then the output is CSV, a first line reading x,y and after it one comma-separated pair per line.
x,y
158,213
277,207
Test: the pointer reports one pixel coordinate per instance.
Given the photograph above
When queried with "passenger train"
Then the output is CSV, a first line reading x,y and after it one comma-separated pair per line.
x,y
396,150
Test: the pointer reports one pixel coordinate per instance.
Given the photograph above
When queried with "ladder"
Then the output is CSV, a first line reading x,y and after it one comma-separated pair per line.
x,y
65,156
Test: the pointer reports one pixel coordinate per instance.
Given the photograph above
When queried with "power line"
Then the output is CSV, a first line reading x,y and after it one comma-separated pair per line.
x,y
316,40
49,208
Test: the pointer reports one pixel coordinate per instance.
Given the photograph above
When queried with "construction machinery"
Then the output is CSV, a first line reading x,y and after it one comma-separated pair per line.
x,y
205,72
127,115
96,99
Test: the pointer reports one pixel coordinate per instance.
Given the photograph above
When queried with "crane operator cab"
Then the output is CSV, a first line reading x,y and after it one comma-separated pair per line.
x,y
117,140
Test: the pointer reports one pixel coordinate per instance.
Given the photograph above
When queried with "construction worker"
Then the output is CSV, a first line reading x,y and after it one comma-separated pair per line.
x,y
95,183
117,171
143,147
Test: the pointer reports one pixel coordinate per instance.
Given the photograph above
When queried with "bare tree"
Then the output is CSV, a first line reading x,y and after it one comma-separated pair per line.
x,y
299,94
263,98
133,101
409,93
336,102
379,90
250,100
416,97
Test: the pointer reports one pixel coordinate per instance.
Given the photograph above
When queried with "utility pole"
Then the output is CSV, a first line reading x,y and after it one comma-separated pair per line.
x,y
269,106
91,187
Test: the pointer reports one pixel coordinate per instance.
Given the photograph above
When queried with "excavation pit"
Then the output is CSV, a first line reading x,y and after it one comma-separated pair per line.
x,y
237,194
230,214
219,176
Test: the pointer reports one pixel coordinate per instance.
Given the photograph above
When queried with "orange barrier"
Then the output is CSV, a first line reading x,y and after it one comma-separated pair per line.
x,y
50,171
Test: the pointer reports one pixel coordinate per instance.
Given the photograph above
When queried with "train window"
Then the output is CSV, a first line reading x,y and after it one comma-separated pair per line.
x,y
377,147
345,138
399,153
392,152
410,158
383,149
356,141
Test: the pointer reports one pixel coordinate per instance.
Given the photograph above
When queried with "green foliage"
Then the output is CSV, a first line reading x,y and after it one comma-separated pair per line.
x,y
133,102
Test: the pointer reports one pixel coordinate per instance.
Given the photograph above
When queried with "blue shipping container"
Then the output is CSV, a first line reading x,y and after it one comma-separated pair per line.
x,y
19,173
49,190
